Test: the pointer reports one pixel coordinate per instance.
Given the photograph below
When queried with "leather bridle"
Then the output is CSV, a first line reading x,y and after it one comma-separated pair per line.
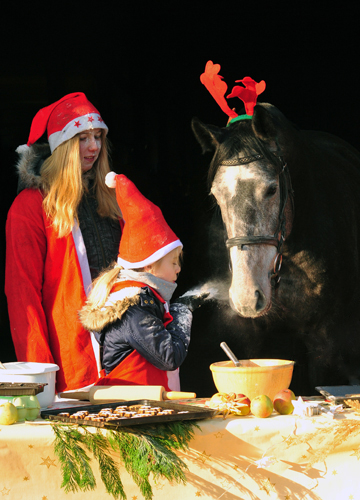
x,y
278,238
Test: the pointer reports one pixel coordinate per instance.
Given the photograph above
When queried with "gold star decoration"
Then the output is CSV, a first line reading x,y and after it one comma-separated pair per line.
x,y
4,491
239,470
287,497
226,484
351,497
26,478
31,446
257,428
44,498
159,486
203,457
134,498
218,435
267,485
334,472
356,454
290,440
198,494
48,462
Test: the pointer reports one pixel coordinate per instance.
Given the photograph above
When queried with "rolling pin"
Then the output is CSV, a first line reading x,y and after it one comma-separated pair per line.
x,y
109,393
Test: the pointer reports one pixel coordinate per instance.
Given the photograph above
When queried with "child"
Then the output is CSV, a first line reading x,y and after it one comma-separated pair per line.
x,y
144,341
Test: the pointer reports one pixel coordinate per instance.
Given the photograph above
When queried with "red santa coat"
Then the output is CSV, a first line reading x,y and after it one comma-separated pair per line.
x,y
45,284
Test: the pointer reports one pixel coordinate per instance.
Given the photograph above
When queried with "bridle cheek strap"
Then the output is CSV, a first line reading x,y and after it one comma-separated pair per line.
x,y
278,238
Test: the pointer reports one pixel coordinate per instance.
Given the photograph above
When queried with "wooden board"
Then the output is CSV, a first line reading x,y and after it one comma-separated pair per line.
x,y
20,389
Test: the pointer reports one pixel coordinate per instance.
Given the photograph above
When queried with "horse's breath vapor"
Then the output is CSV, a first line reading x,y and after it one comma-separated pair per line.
x,y
217,290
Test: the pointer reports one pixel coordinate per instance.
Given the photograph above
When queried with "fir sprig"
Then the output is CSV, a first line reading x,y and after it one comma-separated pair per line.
x,y
75,464
99,447
143,450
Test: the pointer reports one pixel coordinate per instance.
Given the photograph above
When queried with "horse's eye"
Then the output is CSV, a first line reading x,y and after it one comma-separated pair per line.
x,y
271,191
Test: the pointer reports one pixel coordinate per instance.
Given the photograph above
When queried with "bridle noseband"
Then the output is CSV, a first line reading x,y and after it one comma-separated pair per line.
x,y
278,238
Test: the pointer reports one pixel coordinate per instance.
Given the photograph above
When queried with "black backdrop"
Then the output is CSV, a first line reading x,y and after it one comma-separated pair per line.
x,y
140,64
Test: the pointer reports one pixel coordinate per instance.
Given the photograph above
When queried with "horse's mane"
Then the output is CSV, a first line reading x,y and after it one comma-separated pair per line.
x,y
239,138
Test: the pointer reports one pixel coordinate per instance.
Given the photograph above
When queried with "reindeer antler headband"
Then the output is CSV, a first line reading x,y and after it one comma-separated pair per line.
x,y
217,88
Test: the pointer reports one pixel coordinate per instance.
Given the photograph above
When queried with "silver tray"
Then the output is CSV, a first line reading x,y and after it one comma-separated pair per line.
x,y
339,393
182,412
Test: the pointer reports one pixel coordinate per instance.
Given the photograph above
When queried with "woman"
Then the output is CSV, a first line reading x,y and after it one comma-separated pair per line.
x,y
62,230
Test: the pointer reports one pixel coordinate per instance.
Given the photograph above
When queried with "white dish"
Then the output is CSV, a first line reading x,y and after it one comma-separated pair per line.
x,y
30,372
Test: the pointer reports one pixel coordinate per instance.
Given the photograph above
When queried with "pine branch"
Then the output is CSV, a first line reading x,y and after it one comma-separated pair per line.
x,y
75,464
99,447
144,450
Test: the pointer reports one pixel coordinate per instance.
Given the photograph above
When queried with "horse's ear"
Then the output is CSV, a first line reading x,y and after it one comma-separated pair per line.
x,y
209,136
263,124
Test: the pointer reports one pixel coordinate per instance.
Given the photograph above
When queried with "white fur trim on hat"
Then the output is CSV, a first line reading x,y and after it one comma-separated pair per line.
x,y
159,254
22,149
76,126
110,180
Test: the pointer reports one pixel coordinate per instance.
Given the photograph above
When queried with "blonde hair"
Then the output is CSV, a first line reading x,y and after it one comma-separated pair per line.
x,y
103,284
62,183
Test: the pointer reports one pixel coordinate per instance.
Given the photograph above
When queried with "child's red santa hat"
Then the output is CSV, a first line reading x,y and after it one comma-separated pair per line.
x,y
146,236
63,119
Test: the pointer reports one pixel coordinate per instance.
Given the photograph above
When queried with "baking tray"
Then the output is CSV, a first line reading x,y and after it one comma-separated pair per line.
x,y
20,388
183,412
339,393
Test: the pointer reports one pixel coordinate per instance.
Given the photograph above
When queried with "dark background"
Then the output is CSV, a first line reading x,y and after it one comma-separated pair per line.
x,y
140,65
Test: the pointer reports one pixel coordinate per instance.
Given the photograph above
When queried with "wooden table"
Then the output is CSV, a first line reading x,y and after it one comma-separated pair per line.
x,y
237,458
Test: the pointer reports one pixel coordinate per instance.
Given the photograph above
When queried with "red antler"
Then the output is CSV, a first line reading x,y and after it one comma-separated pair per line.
x,y
216,86
249,93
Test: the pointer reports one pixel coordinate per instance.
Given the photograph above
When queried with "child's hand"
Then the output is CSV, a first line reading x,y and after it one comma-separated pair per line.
x,y
192,301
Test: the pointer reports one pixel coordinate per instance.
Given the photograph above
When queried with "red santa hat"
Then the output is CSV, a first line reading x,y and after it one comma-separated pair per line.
x,y
63,119
146,236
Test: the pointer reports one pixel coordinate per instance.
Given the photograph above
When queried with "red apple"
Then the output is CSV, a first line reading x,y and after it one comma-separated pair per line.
x,y
261,406
282,402
241,398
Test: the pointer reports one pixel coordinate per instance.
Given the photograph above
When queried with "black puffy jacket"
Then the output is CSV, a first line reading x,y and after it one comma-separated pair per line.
x,y
136,322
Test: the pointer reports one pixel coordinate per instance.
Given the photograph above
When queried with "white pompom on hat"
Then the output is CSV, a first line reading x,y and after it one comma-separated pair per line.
x,y
110,180
146,235
63,119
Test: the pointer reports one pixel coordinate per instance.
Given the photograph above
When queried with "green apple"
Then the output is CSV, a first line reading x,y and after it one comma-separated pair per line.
x,y
20,403
8,414
33,408
282,402
241,409
219,398
261,406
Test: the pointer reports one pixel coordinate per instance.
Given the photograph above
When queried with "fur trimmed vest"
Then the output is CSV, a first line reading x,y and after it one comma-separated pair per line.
x,y
140,346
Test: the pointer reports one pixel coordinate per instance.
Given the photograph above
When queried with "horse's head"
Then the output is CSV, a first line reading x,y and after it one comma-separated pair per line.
x,y
249,180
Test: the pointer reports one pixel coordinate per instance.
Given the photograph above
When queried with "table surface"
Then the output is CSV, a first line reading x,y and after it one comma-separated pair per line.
x,y
245,458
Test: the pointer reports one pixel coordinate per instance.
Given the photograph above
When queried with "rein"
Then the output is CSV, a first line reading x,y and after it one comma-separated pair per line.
x,y
278,238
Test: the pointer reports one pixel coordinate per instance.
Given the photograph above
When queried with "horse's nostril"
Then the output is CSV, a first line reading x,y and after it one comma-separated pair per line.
x,y
260,301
